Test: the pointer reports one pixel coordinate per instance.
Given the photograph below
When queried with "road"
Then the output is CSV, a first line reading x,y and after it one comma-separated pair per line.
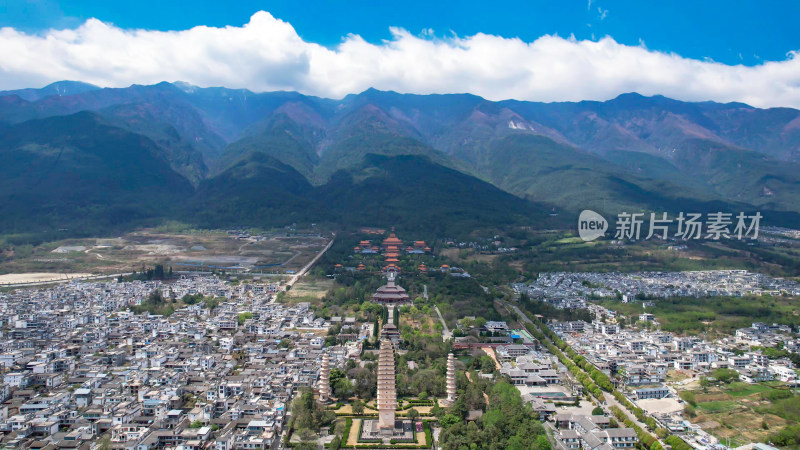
x,y
446,334
611,401
519,312
308,266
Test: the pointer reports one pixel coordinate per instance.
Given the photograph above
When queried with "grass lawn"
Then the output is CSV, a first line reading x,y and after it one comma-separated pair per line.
x,y
718,406
745,389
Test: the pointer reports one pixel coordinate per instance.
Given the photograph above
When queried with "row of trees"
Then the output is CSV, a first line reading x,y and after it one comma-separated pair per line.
x,y
576,364
158,272
595,380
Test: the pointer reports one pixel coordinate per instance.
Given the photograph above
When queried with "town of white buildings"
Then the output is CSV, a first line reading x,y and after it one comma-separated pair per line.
x,y
78,364
640,359
573,289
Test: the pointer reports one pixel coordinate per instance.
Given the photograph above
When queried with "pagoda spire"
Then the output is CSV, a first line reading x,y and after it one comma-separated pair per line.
x,y
325,379
451,380
387,394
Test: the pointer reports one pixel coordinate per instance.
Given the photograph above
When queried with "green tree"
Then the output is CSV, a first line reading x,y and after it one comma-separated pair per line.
x,y
449,420
437,411
343,388
336,443
541,443
725,376
243,317
308,440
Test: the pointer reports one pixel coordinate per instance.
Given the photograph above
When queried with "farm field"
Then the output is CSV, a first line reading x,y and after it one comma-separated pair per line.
x,y
741,412
267,253
715,316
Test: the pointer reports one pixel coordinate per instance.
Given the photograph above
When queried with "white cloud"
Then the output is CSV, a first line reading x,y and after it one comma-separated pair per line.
x,y
267,54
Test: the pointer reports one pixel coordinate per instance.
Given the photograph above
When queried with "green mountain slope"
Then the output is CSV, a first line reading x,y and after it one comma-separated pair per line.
x,y
413,192
631,152
279,137
408,191
78,172
257,191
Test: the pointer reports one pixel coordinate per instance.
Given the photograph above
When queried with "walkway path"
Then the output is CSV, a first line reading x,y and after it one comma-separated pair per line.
x,y
490,351
446,334
305,269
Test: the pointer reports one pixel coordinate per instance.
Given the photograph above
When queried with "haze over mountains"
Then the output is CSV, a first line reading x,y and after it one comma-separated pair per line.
x,y
84,158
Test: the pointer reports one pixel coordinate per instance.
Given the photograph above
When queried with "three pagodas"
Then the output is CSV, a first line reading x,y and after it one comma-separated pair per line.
x,y
387,391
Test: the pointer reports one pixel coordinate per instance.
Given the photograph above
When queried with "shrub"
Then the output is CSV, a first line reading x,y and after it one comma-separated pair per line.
x,y
787,437
688,397
677,443
774,395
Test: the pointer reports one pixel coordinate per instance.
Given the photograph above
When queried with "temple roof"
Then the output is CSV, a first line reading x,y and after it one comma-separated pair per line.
x,y
390,292
392,240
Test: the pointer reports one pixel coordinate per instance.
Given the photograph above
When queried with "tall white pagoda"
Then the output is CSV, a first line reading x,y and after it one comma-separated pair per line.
x,y
451,380
325,379
387,394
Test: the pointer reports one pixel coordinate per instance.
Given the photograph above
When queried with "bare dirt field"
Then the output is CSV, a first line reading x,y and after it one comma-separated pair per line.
x,y
307,289
460,255
267,253
39,277
660,406
310,287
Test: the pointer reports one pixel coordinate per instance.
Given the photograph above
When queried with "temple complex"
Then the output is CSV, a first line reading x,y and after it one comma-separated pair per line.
x,y
451,380
392,248
325,379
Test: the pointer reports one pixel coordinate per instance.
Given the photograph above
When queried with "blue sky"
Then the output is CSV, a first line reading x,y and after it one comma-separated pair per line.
x,y
745,32
528,50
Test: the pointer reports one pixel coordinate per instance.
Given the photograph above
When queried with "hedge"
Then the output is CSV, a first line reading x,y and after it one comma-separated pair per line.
x,y
425,426
677,443
347,424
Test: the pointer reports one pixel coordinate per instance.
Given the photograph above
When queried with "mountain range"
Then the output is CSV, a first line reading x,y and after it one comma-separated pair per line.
x,y
77,157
